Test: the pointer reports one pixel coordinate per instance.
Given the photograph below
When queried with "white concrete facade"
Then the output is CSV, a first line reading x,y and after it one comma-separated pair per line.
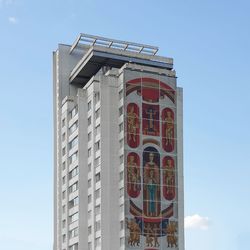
x,y
89,154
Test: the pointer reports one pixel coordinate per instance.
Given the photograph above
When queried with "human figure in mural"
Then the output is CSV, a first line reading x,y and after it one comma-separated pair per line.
x,y
171,231
169,121
170,178
155,230
151,187
149,235
133,123
134,232
133,174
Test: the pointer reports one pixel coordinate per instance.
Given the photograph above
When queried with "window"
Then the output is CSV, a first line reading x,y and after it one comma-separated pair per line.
x,y
97,177
97,161
97,129
121,143
63,136
73,233
97,97
73,143
121,208
97,225
73,157
89,214
89,198
89,230
97,193
73,127
63,194
97,114
121,159
89,167
89,121
63,209
73,172
64,223
89,105
63,180
121,176
120,111
63,151
73,112
63,165
120,127
97,145
121,225
97,209
98,242
73,217
89,152
121,191
120,94
74,247
89,136
63,122
122,242
64,238
89,183
73,187
74,202
89,246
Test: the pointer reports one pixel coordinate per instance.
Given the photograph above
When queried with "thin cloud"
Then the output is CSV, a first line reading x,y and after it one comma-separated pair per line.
x,y
197,222
12,19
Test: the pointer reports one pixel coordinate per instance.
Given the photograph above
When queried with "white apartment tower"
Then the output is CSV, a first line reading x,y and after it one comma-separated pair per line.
x,y
118,147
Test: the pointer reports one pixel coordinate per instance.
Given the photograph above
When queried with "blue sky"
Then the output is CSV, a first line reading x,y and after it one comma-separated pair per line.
x,y
210,44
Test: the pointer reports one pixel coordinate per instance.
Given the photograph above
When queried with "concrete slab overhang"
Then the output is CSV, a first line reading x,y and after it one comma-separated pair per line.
x,y
97,57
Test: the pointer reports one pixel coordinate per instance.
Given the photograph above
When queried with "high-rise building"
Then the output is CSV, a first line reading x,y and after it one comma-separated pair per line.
x,y
118,169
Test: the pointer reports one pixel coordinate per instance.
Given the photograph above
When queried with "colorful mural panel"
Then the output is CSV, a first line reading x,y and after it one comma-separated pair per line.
x,y
168,175
133,125
133,175
166,90
150,90
133,86
150,122
151,203
168,129
151,182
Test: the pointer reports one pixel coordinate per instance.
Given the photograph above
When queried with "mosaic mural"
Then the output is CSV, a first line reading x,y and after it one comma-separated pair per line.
x,y
151,167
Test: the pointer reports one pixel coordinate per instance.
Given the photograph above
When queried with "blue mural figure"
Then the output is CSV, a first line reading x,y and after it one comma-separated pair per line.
x,y
152,188
151,193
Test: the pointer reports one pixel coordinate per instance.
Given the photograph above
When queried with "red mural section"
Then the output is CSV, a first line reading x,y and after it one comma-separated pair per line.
x,y
133,125
150,122
151,182
168,166
133,175
134,86
168,130
166,90
150,90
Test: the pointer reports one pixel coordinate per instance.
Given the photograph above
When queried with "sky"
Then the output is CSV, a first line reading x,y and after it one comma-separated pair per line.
x,y
210,43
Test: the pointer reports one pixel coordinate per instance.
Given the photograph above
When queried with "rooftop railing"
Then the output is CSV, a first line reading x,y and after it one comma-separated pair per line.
x,y
91,40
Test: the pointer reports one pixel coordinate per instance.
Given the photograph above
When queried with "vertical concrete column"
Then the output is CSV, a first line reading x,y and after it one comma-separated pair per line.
x,y
83,169
180,168
109,164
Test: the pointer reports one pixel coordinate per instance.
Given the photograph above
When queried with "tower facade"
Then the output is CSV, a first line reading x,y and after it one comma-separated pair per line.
x,y
118,169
